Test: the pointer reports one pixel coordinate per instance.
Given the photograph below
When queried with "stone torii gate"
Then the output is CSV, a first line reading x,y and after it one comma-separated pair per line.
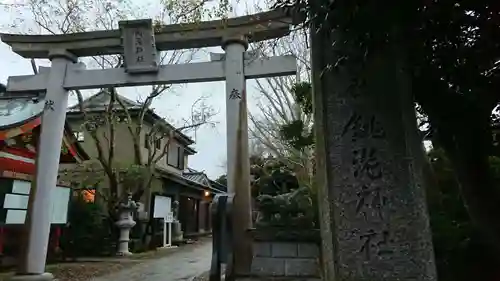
x,y
139,43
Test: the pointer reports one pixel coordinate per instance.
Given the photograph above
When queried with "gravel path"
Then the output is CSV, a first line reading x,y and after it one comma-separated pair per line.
x,y
185,264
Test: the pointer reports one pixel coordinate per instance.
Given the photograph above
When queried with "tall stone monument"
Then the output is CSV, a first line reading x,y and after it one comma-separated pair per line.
x,y
369,165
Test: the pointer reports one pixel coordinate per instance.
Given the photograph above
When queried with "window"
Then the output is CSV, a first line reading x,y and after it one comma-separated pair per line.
x,y
86,195
79,136
157,142
180,159
175,156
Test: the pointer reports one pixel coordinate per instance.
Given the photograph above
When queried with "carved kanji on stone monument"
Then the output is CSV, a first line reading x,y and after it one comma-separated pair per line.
x,y
369,151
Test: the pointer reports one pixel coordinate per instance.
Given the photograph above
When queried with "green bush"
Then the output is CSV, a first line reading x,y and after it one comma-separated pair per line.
x,y
88,232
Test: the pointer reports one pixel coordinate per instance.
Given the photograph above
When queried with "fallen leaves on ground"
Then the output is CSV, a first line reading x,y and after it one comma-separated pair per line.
x,y
79,271
155,254
86,270
203,277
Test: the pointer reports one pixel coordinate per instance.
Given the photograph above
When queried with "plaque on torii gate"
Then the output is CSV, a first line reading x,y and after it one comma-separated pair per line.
x,y
139,43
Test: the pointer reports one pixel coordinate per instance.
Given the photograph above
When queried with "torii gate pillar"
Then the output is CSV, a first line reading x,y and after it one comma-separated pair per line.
x,y
238,161
34,255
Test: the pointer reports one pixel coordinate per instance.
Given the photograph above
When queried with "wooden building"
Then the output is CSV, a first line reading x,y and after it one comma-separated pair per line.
x,y
191,189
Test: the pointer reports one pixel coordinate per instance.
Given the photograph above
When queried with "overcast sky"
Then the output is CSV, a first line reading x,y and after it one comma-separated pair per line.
x,y
174,105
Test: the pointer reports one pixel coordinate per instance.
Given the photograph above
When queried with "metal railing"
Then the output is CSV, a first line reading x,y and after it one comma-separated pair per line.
x,y
222,235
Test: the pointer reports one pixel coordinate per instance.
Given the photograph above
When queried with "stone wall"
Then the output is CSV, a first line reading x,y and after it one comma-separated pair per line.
x,y
281,258
285,253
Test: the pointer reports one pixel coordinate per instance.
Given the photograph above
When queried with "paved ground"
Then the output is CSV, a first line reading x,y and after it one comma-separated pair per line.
x,y
186,263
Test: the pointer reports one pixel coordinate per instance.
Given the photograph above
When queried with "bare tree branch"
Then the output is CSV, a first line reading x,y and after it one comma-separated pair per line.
x,y
63,16
277,105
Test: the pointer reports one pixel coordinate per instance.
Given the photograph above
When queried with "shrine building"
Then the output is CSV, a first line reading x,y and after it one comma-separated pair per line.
x,y
20,121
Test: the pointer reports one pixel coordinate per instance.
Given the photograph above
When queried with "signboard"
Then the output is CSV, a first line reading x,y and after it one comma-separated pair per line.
x,y
170,217
15,216
162,206
60,204
21,187
15,203
167,230
139,46
163,210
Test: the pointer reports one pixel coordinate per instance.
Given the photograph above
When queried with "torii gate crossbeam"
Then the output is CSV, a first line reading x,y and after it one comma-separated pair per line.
x,y
78,78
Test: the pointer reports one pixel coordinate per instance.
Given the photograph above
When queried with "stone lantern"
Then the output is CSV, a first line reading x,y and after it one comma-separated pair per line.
x,y
125,223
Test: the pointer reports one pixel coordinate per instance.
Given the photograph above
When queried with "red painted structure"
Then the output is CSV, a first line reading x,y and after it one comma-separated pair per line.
x,y
17,159
18,147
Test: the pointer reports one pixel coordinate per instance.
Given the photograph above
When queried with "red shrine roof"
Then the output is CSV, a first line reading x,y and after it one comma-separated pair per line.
x,y
19,132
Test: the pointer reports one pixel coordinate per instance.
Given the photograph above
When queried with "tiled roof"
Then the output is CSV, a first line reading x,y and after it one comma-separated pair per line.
x,y
192,177
202,179
101,100
218,186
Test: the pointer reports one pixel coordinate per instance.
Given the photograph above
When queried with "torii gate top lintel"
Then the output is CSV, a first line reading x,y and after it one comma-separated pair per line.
x,y
258,27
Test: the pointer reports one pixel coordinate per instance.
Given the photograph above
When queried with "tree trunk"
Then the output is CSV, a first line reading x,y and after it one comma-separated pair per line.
x,y
469,155
463,130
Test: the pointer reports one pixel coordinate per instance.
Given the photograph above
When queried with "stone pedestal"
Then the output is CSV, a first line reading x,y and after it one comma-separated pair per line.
x,y
33,277
285,253
177,234
125,223
369,165
142,221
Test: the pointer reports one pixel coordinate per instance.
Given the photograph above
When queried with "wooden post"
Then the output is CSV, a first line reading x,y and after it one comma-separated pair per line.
x,y
2,231
165,232
57,237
